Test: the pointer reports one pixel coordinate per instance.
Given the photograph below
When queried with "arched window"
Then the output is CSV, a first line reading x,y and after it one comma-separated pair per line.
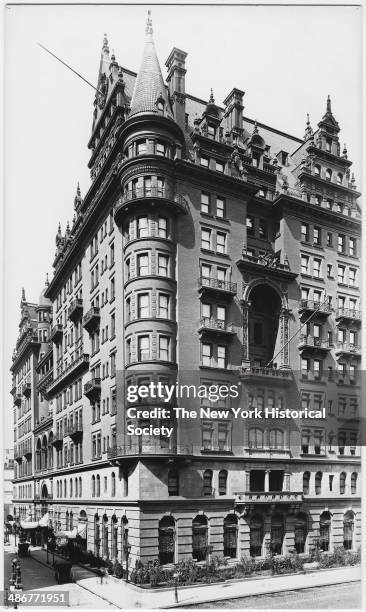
x,y
80,487
113,487
301,530
207,482
173,482
65,488
324,530
342,483
93,486
256,536
38,455
114,525
166,540
318,483
231,536
276,438
277,533
255,437
105,534
71,487
328,174
199,537
222,482
306,483
96,535
354,483
76,487
317,170
98,486
339,178
71,521
348,526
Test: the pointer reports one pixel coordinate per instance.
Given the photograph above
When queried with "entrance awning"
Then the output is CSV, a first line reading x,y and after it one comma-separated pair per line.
x,y
29,524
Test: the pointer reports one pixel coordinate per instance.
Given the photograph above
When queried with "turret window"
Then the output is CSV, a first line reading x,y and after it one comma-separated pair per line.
x,y
142,227
162,227
141,147
160,148
328,175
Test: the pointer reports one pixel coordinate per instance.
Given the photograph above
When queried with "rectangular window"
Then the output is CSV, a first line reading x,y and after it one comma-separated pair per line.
x,y
206,354
221,313
304,264
164,346
250,225
206,239
160,148
329,239
163,306
205,203
317,368
352,277
220,208
143,306
352,246
221,356
219,166
204,162
206,272
206,311
317,236
142,227
305,232
163,264
262,229
341,274
143,264
162,227
329,271
341,243
317,268
221,242
143,348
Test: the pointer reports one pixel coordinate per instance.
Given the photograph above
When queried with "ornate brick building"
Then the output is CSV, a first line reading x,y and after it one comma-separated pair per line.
x,y
209,249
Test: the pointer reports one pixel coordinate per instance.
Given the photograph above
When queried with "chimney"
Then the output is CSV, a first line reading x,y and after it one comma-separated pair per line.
x,y
176,82
234,110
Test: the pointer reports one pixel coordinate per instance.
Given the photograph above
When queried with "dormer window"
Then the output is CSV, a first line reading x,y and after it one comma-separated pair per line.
x,y
317,170
328,145
160,103
339,178
255,160
328,175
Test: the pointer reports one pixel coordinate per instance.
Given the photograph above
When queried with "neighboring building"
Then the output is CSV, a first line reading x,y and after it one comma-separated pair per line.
x,y
8,475
204,242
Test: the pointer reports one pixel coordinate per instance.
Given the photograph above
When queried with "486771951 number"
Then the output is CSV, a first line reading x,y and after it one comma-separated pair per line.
x,y
35,598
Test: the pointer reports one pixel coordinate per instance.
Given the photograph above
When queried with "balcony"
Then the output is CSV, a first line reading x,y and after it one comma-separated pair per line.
x,y
75,309
216,286
27,389
56,333
152,450
260,375
309,307
266,263
58,440
92,388
348,315
44,382
269,497
268,452
309,343
77,365
17,399
348,349
166,196
91,319
75,430
216,326
28,452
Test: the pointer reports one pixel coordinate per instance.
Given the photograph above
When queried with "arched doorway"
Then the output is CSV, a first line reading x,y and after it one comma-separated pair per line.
x,y
124,536
256,536
105,535
348,527
231,536
199,537
301,531
96,535
114,538
324,530
263,323
167,540
277,533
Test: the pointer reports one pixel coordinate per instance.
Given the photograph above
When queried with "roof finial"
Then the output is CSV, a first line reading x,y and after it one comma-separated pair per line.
x,y
78,193
329,106
212,99
23,294
255,130
308,129
344,152
149,28
47,281
105,47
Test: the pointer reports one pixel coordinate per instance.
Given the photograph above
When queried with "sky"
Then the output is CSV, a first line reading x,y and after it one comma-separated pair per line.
x,y
286,58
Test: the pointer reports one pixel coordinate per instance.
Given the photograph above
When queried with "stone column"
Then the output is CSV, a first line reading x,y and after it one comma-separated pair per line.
x,y
266,481
245,361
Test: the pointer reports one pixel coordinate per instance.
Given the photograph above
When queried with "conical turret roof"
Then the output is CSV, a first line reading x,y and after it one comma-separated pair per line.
x,y
150,88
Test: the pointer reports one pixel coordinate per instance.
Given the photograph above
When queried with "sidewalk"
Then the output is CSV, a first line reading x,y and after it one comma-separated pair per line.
x,y
125,595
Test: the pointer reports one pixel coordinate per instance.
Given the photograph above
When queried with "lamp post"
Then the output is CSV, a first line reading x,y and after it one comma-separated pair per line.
x,y
176,576
127,550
